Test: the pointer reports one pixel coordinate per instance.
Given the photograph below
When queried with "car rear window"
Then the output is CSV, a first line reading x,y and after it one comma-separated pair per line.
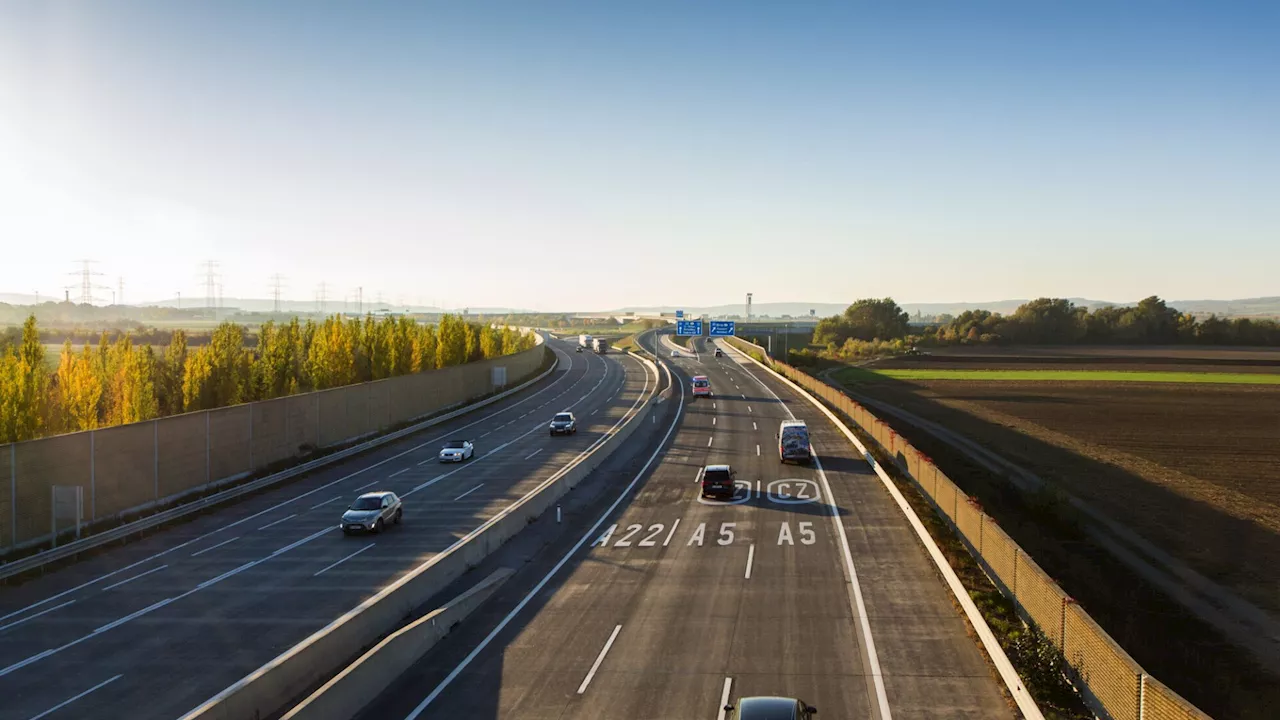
x,y
701,383
716,475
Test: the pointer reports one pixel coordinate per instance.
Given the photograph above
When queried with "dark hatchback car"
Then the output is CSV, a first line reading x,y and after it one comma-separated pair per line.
x,y
717,481
770,708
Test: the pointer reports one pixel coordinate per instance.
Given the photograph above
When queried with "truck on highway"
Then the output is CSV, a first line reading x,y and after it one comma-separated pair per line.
x,y
600,346
584,341
793,441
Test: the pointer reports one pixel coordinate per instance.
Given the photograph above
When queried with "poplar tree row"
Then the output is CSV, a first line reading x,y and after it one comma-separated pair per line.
x,y
119,382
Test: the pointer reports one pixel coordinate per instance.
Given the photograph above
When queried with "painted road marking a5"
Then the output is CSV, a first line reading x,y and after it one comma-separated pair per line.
x,y
702,535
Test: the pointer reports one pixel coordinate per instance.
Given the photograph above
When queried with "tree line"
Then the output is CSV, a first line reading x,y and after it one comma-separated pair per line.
x,y
120,381
880,326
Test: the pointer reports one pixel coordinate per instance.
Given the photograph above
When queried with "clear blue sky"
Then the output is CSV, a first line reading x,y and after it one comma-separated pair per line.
x,y
594,155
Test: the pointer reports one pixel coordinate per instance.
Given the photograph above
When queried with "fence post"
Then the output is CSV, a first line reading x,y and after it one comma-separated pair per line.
x,y
982,524
155,450
93,478
208,466
13,496
1062,630
251,466
1142,695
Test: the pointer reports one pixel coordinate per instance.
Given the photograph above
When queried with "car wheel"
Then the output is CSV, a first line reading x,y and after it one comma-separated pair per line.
x,y
378,526
399,514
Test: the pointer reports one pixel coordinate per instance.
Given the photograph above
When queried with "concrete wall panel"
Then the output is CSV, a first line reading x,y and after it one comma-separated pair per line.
x,y
182,453
229,442
41,464
270,439
124,468
301,428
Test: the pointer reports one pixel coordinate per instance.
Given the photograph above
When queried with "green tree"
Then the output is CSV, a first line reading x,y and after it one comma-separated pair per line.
x,y
198,382
867,319
424,349
80,389
1048,321
451,341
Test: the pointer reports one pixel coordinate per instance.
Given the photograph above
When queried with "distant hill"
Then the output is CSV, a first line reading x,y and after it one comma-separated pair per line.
x,y
1263,306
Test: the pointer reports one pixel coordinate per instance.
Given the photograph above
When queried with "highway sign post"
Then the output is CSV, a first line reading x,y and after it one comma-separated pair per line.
x,y
722,328
688,328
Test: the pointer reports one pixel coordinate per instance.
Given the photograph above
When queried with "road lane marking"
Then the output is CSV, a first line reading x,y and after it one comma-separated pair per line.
x,y
599,659
127,618
396,473
757,449
748,408
713,421
67,702
336,564
713,437
135,577
487,434
530,455
215,547
334,499
33,617
751,555
753,425
855,589
277,522
593,412
591,533
724,697
744,397
468,492
674,525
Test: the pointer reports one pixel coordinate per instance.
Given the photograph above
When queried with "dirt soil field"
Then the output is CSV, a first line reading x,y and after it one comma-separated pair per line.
x,y
1194,468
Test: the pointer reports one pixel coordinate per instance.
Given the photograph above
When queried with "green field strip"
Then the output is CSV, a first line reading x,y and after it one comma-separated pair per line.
x,y
863,375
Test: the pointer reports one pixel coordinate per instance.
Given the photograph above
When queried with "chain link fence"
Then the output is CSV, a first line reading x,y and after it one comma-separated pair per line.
x,y
1112,682
132,468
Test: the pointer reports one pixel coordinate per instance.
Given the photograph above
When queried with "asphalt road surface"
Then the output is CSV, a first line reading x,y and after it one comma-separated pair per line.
x,y
156,627
657,603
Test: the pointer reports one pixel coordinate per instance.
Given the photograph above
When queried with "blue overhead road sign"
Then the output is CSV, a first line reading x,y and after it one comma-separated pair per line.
x,y
722,328
679,314
688,327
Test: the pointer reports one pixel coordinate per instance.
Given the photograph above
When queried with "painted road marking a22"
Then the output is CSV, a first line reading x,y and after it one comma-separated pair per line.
x,y
702,534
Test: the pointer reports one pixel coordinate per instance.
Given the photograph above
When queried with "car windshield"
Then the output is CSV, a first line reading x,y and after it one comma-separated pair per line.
x,y
455,445
367,503
563,417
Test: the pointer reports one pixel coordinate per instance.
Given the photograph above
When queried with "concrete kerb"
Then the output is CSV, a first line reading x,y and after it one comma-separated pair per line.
x,y
266,690
123,531
362,681
1017,690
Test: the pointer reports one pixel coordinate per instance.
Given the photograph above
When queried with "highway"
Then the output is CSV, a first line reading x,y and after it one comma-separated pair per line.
x,y
651,602
153,628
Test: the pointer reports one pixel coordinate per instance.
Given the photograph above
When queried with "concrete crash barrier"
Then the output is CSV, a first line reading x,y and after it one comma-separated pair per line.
x,y
270,688
366,678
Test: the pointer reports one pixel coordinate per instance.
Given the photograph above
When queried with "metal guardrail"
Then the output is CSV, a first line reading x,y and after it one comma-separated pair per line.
x,y
76,547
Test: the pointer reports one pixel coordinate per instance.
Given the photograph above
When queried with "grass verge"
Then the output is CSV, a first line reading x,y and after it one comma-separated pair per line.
x,y
864,375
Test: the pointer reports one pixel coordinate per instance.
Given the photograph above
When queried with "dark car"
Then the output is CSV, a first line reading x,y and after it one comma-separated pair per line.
x,y
719,352
564,424
717,481
770,708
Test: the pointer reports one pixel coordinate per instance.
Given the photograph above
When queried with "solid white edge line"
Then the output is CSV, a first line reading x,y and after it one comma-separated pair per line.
x,y
67,702
277,522
36,615
751,555
135,577
336,564
599,659
1005,668
591,533
855,589
468,492
215,547
724,698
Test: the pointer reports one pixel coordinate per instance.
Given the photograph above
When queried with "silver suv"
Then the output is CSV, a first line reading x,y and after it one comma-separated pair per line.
x,y
372,512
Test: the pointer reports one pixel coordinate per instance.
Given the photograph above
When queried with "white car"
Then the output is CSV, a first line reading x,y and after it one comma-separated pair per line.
x,y
457,451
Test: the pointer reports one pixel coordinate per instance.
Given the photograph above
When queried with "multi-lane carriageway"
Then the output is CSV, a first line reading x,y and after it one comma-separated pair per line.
x,y
650,602
645,602
156,627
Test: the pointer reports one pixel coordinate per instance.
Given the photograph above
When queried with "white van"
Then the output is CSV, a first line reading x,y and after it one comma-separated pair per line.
x,y
793,441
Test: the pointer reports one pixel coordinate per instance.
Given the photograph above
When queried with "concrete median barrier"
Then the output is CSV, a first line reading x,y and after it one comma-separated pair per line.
x,y
363,680
271,688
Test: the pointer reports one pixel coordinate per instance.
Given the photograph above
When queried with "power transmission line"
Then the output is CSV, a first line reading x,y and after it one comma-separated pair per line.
x,y
276,283
87,286
211,277
321,294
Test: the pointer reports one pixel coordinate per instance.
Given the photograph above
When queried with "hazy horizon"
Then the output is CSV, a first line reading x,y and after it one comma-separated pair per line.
x,y
583,155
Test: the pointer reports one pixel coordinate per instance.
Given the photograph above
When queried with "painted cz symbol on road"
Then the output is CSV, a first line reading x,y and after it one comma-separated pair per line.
x,y
741,493
793,491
